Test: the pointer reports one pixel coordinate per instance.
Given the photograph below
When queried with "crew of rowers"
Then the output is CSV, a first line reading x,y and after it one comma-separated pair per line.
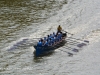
x,y
51,39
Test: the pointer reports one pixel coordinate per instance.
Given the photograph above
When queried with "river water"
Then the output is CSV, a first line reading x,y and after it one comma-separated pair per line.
x,y
23,20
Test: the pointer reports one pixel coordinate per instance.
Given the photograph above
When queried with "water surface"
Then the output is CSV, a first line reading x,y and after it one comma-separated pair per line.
x,y
20,21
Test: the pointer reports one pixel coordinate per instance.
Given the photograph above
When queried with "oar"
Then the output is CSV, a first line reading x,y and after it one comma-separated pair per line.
x,y
73,49
68,32
79,39
67,47
36,38
70,54
75,38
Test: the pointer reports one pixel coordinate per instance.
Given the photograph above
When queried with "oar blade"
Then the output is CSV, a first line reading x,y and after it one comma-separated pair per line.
x,y
81,45
75,50
70,54
86,41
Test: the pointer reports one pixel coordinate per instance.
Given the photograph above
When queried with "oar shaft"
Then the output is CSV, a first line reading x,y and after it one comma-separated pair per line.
x,y
75,38
69,53
36,38
79,39
67,32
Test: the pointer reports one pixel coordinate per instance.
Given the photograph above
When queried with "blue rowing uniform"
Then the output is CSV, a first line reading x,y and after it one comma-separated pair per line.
x,y
45,38
54,34
52,40
46,44
39,44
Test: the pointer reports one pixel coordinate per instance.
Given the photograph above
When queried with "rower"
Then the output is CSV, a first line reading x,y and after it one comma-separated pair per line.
x,y
39,43
60,36
56,39
51,35
48,37
41,40
45,39
46,43
52,40
54,34
49,42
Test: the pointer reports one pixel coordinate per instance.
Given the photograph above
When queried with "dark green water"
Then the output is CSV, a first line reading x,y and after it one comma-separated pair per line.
x,y
16,16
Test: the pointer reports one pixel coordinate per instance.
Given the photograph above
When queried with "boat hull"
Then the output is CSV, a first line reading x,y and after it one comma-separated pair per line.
x,y
42,50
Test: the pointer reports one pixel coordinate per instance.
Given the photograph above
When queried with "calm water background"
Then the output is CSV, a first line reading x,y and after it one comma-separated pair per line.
x,y
23,20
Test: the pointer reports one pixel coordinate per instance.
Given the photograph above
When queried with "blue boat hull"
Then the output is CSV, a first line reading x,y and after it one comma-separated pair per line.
x,y
41,51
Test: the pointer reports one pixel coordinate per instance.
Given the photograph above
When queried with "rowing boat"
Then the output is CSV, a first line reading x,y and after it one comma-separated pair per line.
x,y
42,50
